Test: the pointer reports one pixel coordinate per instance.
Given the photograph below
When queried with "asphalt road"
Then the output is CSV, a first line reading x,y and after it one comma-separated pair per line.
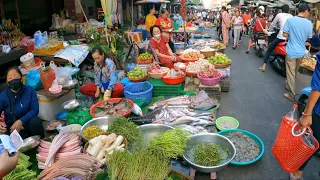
x,y
256,100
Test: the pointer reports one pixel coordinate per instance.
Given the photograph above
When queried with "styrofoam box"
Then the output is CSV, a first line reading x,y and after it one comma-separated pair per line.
x,y
49,107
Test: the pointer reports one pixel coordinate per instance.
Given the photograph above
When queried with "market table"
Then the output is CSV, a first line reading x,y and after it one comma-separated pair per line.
x,y
187,30
14,54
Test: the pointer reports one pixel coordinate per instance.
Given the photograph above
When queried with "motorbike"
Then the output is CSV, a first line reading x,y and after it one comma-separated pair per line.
x,y
303,99
260,41
277,58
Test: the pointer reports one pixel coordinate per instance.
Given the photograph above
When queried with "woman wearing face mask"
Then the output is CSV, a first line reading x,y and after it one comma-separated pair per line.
x,y
166,26
20,106
160,44
105,77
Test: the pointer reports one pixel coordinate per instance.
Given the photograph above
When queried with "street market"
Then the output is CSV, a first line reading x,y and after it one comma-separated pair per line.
x,y
160,90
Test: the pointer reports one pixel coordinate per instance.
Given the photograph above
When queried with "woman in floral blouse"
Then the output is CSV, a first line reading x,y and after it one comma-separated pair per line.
x,y
105,77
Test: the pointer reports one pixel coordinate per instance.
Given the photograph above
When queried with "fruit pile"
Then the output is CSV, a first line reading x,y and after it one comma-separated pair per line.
x,y
219,59
137,73
145,55
209,72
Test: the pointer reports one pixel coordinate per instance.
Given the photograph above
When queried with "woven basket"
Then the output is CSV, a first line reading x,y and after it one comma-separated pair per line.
x,y
222,65
144,61
208,54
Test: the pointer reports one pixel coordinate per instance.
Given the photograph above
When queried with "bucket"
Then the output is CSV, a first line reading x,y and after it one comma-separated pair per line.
x,y
27,59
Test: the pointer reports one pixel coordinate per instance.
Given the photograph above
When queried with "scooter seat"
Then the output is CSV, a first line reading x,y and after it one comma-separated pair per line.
x,y
282,43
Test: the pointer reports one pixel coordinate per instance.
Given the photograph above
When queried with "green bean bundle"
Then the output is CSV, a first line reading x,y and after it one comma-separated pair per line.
x,y
206,154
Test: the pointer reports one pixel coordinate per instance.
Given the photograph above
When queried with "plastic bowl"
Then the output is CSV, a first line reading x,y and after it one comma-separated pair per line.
x,y
158,75
172,81
56,90
226,118
209,81
251,135
112,100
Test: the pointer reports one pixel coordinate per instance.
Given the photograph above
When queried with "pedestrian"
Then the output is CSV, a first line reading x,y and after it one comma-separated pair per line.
x,y
246,20
258,24
204,15
225,25
166,26
237,25
311,115
150,20
298,29
280,19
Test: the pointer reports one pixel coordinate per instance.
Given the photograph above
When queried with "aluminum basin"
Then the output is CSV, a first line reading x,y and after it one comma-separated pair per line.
x,y
209,138
101,122
150,131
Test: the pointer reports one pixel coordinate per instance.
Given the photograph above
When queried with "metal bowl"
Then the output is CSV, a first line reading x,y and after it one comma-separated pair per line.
x,y
101,122
150,131
209,138
71,104
30,143
70,84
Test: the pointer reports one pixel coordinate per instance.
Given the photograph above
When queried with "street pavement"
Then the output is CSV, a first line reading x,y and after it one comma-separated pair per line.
x,y
256,100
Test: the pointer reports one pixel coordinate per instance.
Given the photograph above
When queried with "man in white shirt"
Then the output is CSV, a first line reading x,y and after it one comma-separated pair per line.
x,y
280,19
204,15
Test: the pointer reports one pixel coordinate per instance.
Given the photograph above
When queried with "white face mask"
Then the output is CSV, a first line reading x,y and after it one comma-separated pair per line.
x,y
157,36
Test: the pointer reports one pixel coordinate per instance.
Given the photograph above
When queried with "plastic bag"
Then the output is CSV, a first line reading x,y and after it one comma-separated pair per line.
x,y
63,74
78,116
33,79
40,38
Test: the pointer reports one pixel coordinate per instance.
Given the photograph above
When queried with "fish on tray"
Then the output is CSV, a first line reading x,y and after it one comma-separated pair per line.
x,y
202,101
181,101
115,109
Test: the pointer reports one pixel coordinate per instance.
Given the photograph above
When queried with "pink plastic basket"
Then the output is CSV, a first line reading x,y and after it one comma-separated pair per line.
x,y
209,81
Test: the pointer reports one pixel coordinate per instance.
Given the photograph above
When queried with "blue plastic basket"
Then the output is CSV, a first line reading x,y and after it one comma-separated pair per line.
x,y
140,91
252,136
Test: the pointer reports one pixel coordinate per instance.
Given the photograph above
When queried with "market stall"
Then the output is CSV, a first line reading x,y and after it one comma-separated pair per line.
x,y
164,127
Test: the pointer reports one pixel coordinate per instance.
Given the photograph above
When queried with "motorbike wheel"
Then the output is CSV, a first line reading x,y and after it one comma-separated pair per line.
x,y
221,37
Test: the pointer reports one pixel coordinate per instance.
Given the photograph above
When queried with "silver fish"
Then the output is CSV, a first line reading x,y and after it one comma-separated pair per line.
x,y
184,120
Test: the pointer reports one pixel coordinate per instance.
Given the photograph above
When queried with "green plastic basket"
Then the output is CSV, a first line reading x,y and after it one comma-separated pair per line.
x,y
226,118
162,89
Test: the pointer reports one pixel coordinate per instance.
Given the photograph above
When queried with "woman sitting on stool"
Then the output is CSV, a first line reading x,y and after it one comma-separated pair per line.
x,y
21,108
105,77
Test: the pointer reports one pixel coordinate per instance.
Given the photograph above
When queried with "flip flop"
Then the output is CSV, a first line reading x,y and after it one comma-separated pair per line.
x,y
286,95
293,177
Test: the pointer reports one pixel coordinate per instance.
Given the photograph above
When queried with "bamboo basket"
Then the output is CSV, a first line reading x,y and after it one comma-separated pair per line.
x,y
222,65
144,61
208,54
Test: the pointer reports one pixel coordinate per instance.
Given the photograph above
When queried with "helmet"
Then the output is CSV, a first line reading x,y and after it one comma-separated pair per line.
x,y
262,8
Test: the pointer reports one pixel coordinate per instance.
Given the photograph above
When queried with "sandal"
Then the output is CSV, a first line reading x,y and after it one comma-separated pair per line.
x,y
293,177
261,69
287,95
247,52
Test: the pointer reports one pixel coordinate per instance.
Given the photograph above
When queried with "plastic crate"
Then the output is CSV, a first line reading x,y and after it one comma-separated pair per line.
x,y
162,89
225,84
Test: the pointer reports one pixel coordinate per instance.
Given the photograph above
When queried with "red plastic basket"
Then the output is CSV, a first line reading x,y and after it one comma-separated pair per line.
x,y
289,149
112,100
172,81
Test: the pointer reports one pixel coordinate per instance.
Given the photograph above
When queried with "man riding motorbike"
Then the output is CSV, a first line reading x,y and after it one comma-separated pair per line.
x,y
280,19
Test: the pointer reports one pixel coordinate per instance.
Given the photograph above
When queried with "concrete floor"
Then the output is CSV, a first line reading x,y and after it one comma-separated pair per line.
x,y
256,100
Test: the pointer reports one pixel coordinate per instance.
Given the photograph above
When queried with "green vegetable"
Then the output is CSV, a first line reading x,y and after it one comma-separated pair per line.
x,y
142,165
21,171
129,130
169,144
206,154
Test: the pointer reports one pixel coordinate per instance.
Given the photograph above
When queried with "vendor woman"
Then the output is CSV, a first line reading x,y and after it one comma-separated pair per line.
x,y
160,44
20,105
105,77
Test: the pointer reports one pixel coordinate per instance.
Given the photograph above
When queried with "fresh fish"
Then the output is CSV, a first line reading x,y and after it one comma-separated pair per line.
x,y
137,110
184,120
203,122
176,101
193,129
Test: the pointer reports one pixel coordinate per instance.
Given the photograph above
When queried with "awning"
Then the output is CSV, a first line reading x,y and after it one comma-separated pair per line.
x,y
152,1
